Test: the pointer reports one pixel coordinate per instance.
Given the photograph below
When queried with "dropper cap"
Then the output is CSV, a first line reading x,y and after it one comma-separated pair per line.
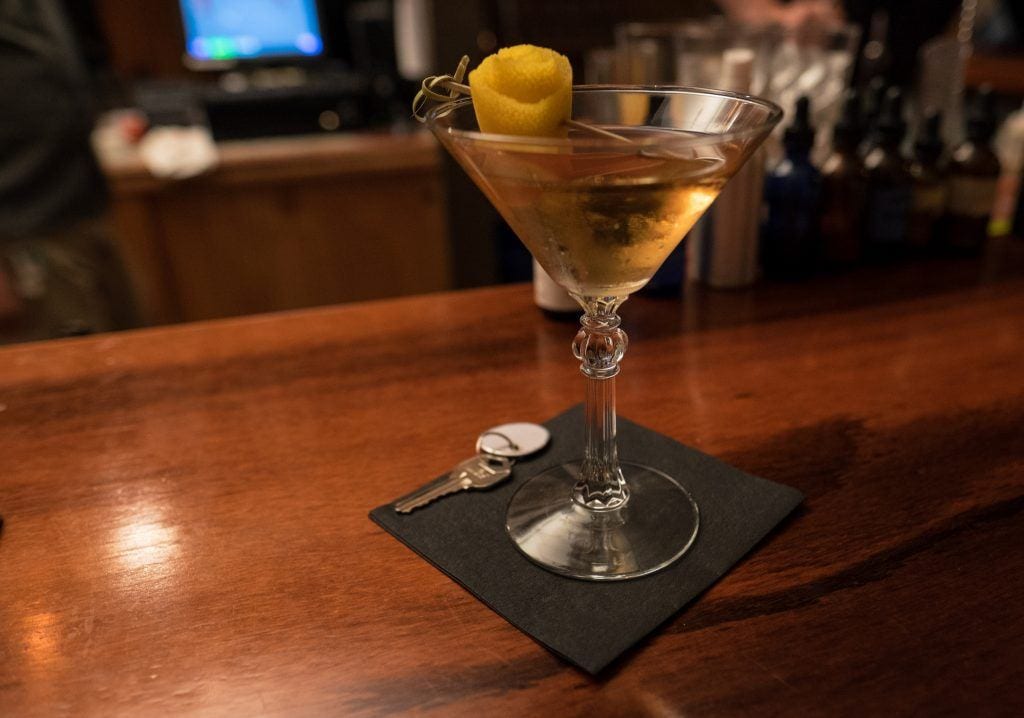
x,y
981,119
847,132
891,126
928,146
799,136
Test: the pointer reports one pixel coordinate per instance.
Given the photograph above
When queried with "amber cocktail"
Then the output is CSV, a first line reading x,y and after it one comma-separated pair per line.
x,y
600,208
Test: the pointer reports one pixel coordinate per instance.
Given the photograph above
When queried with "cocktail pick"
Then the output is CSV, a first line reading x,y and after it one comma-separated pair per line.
x,y
455,86
453,83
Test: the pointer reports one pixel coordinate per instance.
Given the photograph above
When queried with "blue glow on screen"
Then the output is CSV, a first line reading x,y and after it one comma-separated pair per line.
x,y
249,29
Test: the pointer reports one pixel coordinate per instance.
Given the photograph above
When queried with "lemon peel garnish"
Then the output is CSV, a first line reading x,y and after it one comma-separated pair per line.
x,y
522,90
522,84
519,90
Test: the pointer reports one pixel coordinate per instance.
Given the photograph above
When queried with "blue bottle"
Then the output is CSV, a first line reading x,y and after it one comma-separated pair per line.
x,y
790,237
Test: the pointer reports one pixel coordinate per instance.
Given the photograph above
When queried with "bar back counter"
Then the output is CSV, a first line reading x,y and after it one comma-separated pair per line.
x,y
284,223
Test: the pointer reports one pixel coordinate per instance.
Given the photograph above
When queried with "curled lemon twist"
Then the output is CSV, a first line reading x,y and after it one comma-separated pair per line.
x,y
523,90
520,90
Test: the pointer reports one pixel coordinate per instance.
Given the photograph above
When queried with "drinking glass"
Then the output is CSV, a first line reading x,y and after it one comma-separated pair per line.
x,y
600,208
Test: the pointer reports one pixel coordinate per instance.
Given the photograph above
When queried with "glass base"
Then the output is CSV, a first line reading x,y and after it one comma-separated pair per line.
x,y
656,526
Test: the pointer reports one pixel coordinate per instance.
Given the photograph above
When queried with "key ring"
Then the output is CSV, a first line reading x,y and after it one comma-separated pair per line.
x,y
482,448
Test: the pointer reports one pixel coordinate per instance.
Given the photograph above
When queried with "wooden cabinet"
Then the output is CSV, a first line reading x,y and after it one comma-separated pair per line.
x,y
285,223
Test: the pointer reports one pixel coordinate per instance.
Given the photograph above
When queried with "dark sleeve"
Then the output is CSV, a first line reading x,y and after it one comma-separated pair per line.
x,y
48,175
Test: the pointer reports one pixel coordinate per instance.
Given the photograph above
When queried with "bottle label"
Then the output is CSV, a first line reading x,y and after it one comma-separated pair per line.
x,y
548,294
930,199
1007,191
887,214
972,196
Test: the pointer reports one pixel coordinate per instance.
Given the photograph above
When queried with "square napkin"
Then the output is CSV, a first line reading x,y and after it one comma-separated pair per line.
x,y
464,535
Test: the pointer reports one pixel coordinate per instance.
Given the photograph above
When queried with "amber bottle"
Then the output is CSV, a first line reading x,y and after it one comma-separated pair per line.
x,y
843,190
930,187
973,173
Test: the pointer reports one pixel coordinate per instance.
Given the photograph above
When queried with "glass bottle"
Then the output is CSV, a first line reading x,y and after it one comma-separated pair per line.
x,y
736,214
889,185
930,187
871,108
790,235
843,190
551,298
1009,147
973,173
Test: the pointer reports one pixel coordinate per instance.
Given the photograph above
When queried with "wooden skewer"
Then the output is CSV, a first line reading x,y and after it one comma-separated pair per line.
x,y
597,130
454,85
465,90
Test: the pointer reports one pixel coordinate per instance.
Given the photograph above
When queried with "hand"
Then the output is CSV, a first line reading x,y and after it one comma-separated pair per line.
x,y
797,15
803,14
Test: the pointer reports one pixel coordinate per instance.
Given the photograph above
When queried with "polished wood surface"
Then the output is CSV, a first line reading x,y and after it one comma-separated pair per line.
x,y
284,223
186,528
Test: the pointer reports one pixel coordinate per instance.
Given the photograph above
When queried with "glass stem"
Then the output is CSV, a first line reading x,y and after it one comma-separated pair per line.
x,y
600,345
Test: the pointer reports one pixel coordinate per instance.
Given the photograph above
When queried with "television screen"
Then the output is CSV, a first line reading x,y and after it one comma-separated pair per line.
x,y
228,30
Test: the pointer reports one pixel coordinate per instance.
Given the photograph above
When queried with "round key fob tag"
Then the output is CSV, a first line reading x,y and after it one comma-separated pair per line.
x,y
513,440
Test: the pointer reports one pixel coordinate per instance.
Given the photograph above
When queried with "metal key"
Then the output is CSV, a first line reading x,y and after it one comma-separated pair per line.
x,y
480,472
497,449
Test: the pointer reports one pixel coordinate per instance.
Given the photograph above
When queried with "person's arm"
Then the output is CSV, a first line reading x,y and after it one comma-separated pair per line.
x,y
795,14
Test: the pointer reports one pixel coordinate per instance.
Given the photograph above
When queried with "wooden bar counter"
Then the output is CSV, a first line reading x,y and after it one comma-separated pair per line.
x,y
185,507
284,223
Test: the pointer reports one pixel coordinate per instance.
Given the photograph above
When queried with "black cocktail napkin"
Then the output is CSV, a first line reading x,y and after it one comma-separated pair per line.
x,y
464,535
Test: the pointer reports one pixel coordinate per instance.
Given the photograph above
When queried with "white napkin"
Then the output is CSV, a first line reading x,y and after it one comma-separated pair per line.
x,y
178,152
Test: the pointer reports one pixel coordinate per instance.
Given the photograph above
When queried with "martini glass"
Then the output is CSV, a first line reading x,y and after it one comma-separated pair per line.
x,y
600,209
